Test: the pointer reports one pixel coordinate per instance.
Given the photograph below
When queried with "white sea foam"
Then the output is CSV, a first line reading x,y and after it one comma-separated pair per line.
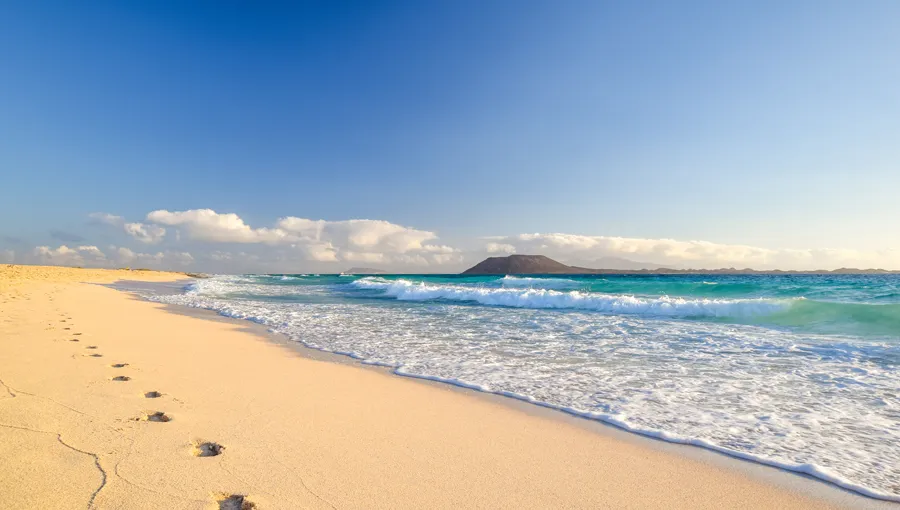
x,y
547,298
819,405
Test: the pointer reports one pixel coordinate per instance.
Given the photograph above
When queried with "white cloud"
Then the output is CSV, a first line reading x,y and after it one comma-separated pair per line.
x,y
106,219
371,241
434,248
320,252
448,258
92,256
65,256
7,256
367,235
150,234
127,257
208,225
91,251
499,248
691,254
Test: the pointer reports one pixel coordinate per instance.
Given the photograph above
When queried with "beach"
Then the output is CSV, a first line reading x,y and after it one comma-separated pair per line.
x,y
110,401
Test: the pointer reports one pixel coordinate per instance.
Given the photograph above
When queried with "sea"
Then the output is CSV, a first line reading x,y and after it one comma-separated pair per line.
x,y
801,372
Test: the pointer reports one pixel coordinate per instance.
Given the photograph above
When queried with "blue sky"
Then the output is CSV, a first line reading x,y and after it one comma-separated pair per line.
x,y
770,126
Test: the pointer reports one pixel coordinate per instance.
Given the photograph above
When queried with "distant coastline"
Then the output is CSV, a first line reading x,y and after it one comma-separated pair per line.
x,y
364,270
539,264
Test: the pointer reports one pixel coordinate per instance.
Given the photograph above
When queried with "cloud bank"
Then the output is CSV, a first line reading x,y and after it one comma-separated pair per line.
x,y
207,240
588,250
365,241
65,256
92,256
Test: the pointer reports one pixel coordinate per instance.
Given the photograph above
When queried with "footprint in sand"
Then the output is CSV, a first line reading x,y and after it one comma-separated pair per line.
x,y
152,394
76,334
74,340
201,448
118,365
121,378
233,502
90,347
67,329
95,355
157,416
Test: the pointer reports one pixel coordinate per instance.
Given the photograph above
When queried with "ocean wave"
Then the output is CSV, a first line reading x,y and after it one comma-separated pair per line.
x,y
844,318
546,283
545,298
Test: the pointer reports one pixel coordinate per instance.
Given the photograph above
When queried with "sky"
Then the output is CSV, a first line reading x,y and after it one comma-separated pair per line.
x,y
228,136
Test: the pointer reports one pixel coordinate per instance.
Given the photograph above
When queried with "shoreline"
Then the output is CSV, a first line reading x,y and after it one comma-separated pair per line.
x,y
105,397
768,472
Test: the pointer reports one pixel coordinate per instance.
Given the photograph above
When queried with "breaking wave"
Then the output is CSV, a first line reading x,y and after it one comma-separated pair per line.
x,y
547,298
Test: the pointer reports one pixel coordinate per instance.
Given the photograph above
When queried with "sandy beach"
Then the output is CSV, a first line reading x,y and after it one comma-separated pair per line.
x,y
108,401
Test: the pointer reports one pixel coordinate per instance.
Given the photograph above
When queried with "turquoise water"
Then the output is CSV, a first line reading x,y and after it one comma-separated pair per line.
x,y
801,372
865,305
